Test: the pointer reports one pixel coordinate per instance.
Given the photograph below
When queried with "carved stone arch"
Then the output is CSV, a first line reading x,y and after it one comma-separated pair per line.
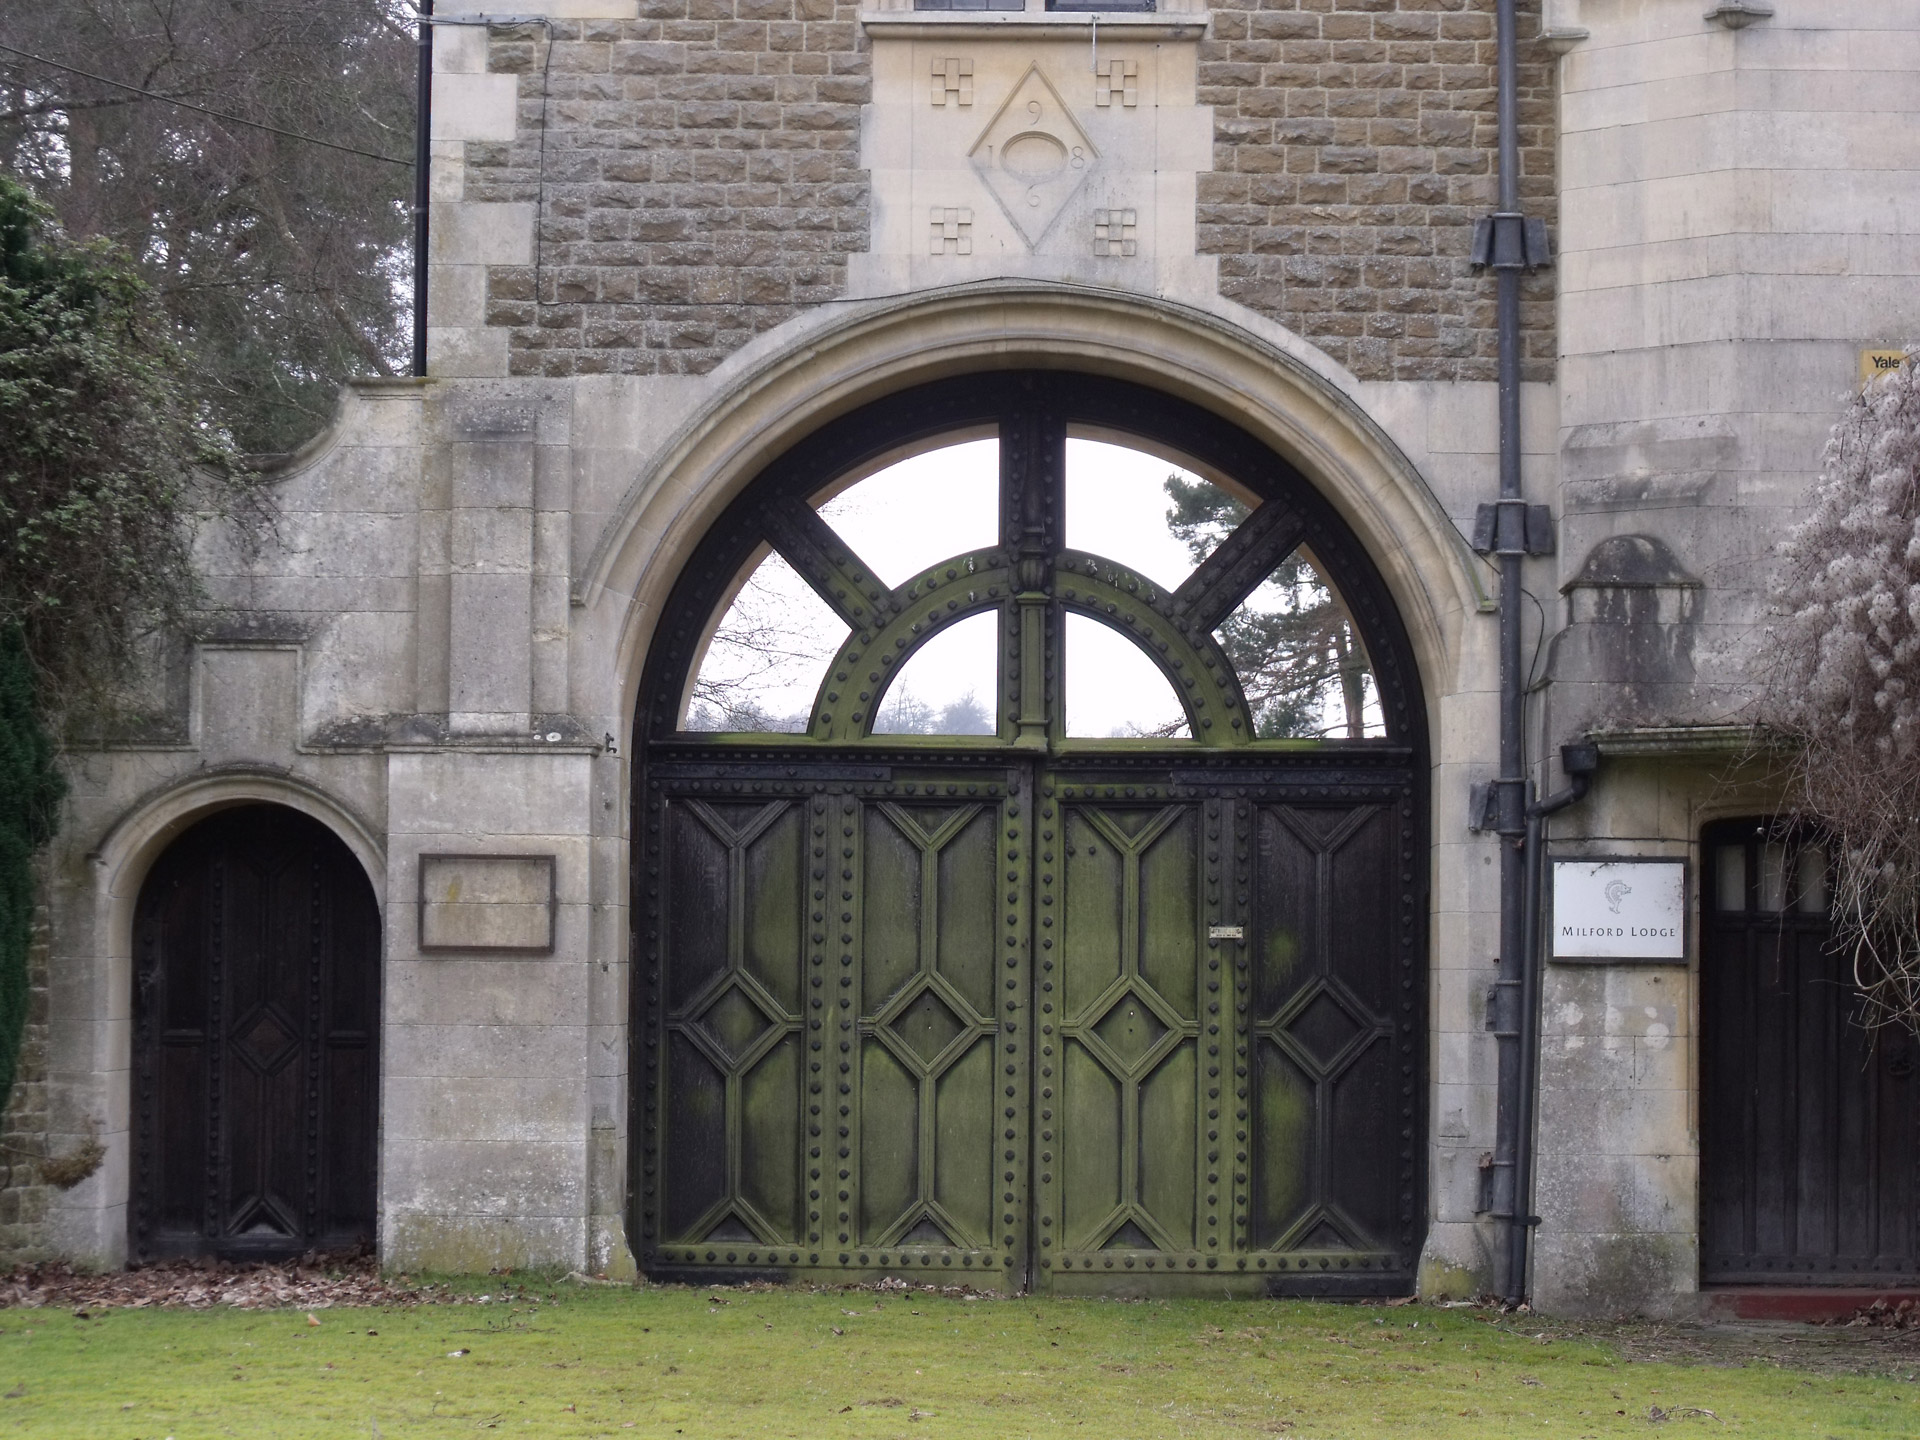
x,y
788,383
121,861
887,624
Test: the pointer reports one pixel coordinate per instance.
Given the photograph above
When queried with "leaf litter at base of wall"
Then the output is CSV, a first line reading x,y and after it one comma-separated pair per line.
x,y
311,1282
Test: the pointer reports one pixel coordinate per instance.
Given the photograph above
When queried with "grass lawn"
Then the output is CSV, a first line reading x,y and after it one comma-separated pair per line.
x,y
566,1361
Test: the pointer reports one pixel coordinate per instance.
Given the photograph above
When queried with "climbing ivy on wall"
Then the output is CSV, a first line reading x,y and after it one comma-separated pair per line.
x,y
30,791
104,471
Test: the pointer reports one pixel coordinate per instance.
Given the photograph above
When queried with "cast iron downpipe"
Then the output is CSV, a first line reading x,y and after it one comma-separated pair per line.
x,y
422,193
1510,787
1579,761
1509,243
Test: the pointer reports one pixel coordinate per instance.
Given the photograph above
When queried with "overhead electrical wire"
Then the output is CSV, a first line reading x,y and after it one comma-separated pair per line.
x,y
201,109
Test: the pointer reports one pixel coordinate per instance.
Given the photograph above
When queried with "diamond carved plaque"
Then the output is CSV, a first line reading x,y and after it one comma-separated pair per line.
x,y
1033,156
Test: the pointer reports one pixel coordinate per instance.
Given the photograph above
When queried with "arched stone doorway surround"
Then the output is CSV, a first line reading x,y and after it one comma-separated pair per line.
x,y
1258,376
1261,377
91,1067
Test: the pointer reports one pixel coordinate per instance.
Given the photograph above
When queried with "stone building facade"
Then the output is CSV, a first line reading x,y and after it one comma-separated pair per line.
x,y
675,242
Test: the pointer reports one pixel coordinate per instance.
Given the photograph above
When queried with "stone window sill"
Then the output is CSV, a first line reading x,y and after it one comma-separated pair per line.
x,y
908,24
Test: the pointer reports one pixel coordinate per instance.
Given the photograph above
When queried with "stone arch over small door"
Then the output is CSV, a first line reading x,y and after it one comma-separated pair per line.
x,y
256,998
945,1057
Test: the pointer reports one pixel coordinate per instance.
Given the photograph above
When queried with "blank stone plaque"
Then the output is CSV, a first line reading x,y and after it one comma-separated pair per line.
x,y
497,903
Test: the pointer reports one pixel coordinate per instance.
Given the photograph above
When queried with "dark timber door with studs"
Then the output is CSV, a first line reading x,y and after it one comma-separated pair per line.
x,y
1810,1122
1016,1007
256,1023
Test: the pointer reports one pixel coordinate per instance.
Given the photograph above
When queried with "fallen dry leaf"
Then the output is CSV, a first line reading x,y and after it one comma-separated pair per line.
x,y
313,1282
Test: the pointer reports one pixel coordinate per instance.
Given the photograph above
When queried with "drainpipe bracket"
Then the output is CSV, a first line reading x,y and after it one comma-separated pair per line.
x,y
1512,527
1509,240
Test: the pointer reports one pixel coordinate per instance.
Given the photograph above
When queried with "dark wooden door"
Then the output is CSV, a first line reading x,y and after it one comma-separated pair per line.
x,y
1017,1005
1231,1080
1063,1027
256,1018
1810,1123
841,1090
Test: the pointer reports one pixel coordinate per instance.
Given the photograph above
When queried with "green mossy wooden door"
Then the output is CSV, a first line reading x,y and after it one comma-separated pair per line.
x,y
840,1089
995,990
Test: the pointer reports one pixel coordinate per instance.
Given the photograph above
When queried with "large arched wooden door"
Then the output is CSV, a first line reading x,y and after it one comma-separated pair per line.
x,y
982,987
256,1042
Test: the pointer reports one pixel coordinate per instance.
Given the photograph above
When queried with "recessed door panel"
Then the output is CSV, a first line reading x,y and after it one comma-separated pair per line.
x,y
1132,1188
255,1042
1337,1054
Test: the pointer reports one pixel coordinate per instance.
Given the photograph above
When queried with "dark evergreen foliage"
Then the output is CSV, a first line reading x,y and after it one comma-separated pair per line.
x,y
30,791
101,465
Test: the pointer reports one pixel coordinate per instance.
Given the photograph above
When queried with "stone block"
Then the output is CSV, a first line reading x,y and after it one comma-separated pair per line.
x,y
475,107
247,704
490,650
539,794
461,1243
503,1109
495,992
1612,1274
456,351
521,1182
487,903
482,234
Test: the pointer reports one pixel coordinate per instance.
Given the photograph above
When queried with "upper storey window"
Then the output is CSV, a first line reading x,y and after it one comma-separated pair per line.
x,y
1063,6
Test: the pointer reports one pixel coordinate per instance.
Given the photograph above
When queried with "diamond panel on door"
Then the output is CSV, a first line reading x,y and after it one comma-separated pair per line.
x,y
1124,1091
840,1081
1333,1042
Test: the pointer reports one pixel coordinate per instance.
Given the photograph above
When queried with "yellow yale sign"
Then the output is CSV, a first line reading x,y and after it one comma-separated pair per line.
x,y
1880,360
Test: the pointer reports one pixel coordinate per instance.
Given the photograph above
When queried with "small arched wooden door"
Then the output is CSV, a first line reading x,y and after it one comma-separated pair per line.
x,y
1048,909
256,1042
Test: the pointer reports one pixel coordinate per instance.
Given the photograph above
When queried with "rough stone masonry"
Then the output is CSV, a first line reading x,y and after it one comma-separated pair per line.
x,y
697,173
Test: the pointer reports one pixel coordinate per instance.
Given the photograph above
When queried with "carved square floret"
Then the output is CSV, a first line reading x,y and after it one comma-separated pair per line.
x,y
1117,80
1113,232
952,227
952,78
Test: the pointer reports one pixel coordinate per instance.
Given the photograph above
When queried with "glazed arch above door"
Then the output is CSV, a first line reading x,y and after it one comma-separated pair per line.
x,y
1031,872
1092,558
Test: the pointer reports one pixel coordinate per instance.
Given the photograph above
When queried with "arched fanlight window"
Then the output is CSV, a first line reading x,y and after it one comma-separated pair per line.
x,y
1024,559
